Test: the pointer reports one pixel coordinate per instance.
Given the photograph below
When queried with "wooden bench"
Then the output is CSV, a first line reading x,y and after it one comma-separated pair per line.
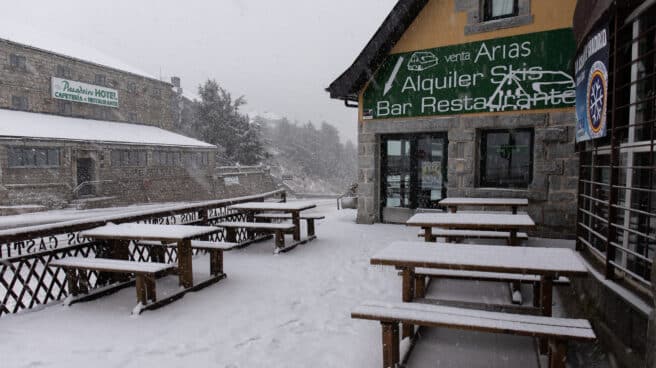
x,y
144,273
453,234
422,273
309,219
215,250
278,230
556,330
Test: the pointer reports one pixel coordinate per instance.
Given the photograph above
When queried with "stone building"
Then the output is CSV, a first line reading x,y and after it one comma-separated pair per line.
x,y
467,98
84,126
616,145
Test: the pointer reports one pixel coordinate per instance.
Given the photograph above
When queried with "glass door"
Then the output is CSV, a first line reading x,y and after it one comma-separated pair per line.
x,y
413,170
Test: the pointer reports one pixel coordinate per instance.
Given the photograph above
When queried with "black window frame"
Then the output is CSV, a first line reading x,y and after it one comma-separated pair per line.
x,y
64,71
28,157
483,182
100,80
18,62
129,158
20,103
487,11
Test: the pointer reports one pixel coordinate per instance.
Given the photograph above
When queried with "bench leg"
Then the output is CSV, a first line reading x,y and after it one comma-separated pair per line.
x,y
216,262
83,281
157,254
71,278
536,294
184,264
310,227
296,219
558,354
230,235
150,287
420,286
390,344
141,290
408,294
428,234
280,240
546,295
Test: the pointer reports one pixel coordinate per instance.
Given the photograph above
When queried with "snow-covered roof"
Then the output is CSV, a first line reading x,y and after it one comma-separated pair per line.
x,y
19,124
49,41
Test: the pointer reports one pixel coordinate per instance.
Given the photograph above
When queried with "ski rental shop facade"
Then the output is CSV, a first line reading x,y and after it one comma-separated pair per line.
x,y
93,130
466,98
616,144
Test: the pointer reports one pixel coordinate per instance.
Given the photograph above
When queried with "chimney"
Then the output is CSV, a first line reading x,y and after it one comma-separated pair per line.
x,y
175,81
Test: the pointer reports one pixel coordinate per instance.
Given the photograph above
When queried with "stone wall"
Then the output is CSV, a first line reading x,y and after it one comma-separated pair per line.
x,y
149,102
552,194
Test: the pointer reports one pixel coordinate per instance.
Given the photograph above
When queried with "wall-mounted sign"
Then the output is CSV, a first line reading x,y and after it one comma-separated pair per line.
x,y
231,180
592,86
65,89
524,72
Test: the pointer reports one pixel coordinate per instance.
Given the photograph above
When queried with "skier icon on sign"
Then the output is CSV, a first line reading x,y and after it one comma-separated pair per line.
x,y
422,60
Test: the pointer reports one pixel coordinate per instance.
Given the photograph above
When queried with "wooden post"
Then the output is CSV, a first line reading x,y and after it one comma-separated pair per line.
x,y
536,294
230,234
546,298
280,239
71,278
420,286
184,263
216,262
558,356
141,289
310,227
513,240
428,233
150,287
296,219
514,210
408,293
390,344
453,209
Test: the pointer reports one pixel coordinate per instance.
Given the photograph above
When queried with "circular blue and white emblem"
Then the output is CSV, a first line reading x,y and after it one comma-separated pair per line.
x,y
597,97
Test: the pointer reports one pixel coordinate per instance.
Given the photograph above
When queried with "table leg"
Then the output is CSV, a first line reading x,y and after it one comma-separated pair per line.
x,y
391,354
453,209
428,234
546,299
514,210
185,272
513,240
118,249
296,219
408,294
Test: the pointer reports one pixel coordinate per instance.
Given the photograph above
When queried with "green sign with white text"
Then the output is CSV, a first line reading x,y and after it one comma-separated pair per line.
x,y
69,90
525,72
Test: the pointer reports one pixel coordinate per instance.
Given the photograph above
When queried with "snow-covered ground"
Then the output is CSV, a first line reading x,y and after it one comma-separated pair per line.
x,y
286,310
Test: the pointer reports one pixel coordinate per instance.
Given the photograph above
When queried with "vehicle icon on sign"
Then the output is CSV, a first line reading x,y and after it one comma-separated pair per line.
x,y
422,60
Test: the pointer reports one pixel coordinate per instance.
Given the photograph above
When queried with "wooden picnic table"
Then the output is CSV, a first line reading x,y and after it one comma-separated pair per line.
x,y
293,208
120,235
452,203
548,263
472,221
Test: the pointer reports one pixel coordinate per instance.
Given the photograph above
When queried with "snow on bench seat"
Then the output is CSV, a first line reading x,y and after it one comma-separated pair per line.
x,y
256,225
287,216
439,232
390,314
471,319
111,265
479,275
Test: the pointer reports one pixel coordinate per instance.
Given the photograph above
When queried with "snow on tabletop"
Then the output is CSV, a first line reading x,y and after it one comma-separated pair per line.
x,y
35,125
484,201
261,225
148,231
273,206
119,265
471,219
470,256
46,39
465,318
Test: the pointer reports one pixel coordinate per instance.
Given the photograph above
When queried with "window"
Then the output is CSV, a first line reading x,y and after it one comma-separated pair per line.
x,y
169,158
18,62
100,79
196,159
157,92
19,102
64,71
128,158
102,113
507,158
132,87
132,117
33,157
64,107
497,9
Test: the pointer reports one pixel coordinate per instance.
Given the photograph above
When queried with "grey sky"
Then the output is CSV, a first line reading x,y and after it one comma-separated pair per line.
x,y
281,54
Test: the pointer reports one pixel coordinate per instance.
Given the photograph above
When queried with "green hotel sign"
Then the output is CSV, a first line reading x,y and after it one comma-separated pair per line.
x,y
69,90
524,72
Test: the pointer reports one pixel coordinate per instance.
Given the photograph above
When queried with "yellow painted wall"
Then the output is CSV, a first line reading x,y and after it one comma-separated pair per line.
x,y
438,24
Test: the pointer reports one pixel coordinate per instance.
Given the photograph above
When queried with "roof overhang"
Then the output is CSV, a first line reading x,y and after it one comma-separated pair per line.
x,y
348,85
